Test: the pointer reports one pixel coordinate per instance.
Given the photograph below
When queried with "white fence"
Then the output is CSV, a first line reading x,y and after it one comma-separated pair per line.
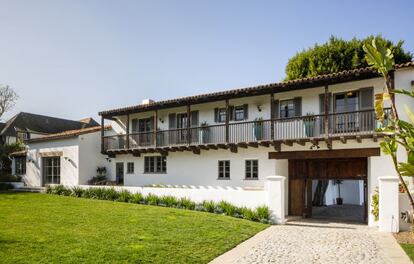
x,y
272,196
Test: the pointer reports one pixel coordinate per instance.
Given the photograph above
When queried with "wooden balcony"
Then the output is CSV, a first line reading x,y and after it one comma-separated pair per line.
x,y
311,128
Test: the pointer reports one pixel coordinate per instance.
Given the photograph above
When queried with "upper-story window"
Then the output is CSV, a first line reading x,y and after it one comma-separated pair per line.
x,y
239,113
22,136
287,108
222,115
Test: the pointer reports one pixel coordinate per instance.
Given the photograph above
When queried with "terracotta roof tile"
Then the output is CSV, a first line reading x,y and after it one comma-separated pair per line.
x,y
307,82
69,133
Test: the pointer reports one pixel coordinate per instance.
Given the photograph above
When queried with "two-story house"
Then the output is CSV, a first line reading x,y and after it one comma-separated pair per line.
x,y
313,131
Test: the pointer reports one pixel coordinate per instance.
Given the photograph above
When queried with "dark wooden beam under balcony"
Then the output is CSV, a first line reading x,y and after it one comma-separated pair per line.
x,y
136,153
323,154
212,146
277,145
242,145
264,143
288,142
253,144
233,148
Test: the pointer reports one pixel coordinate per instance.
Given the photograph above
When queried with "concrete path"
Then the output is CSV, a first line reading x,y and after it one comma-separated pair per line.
x,y
315,241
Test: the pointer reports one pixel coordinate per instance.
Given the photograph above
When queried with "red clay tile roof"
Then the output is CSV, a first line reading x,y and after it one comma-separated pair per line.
x,y
309,82
67,134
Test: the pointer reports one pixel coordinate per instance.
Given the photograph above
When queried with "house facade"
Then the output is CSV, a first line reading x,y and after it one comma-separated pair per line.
x,y
311,131
70,158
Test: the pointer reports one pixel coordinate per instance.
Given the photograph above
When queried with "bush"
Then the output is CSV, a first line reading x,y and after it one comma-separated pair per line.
x,y
124,196
5,186
111,194
248,214
169,201
152,199
10,178
77,191
209,206
263,214
227,208
61,190
375,205
186,204
137,198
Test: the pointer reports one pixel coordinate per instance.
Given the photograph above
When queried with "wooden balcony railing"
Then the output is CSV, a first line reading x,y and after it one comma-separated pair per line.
x,y
295,128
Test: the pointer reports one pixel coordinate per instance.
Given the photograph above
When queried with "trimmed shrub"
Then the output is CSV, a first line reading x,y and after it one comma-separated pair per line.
x,y
169,201
209,206
248,214
124,196
152,199
97,193
61,190
77,191
186,204
49,189
111,194
6,186
263,214
227,208
137,198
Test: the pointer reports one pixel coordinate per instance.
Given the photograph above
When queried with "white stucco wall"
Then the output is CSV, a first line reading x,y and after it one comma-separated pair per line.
x,y
90,157
81,156
186,168
69,167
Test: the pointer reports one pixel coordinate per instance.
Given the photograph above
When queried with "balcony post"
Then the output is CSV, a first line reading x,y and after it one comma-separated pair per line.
x,y
326,111
188,124
155,126
127,132
227,120
272,124
102,134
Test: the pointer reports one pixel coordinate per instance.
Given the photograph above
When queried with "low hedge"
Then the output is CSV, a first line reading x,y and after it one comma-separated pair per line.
x,y
259,214
4,186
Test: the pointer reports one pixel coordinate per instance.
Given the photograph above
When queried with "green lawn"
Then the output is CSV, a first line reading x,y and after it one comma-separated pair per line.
x,y
409,250
39,228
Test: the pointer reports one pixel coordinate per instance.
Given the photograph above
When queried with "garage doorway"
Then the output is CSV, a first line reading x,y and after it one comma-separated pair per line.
x,y
329,188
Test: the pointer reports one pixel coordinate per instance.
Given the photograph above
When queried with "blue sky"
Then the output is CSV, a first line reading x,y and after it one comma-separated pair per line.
x,y
73,58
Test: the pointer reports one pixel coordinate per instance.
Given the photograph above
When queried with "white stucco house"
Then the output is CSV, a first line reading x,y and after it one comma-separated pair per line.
x,y
69,158
274,144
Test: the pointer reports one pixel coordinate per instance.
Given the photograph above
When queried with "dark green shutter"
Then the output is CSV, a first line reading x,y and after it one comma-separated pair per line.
x,y
231,112
246,111
134,125
322,103
216,114
172,121
194,118
276,110
298,106
366,98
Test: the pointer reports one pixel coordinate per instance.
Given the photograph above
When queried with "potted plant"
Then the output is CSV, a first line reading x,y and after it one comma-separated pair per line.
x,y
204,132
258,128
339,200
309,123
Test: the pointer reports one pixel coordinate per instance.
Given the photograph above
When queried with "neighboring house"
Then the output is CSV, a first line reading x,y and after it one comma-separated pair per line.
x,y
24,126
311,129
69,158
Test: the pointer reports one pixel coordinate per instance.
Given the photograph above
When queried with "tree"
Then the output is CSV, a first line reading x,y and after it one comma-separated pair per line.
x,y
8,98
397,132
338,55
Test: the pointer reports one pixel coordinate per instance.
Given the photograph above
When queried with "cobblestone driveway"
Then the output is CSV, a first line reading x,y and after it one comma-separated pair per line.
x,y
308,241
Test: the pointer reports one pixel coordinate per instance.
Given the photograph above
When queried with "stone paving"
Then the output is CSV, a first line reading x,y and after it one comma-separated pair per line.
x,y
309,241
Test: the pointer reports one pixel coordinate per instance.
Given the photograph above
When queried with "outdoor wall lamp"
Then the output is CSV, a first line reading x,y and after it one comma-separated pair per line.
x,y
67,159
259,108
161,120
108,159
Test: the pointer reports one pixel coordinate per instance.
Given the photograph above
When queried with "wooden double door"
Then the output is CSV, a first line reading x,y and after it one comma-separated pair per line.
x,y
303,172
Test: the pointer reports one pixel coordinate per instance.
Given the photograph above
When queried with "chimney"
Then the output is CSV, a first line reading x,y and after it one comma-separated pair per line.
x,y
147,101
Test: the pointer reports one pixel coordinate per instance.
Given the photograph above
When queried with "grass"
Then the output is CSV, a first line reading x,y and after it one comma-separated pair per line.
x,y
41,228
409,250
